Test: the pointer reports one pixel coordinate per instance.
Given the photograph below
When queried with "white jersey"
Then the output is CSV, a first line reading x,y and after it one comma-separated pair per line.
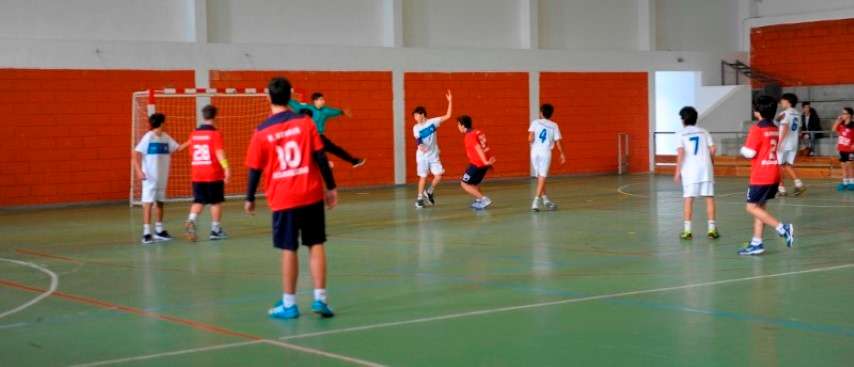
x,y
546,133
425,135
155,156
697,159
792,122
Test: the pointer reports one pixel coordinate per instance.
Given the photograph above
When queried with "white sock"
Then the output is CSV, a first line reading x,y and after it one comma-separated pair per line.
x,y
215,226
779,229
756,241
781,188
192,217
848,181
320,295
158,227
146,229
799,183
687,226
712,225
288,300
429,190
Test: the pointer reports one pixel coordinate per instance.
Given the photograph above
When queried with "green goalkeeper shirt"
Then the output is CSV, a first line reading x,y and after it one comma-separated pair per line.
x,y
319,115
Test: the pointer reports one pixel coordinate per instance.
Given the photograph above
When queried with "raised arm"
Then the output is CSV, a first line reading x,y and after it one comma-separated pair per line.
x,y
836,123
296,106
450,99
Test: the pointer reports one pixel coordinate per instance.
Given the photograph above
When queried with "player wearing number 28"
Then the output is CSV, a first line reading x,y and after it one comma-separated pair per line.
x,y
210,173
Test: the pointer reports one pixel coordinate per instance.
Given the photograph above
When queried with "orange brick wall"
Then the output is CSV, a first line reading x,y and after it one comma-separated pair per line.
x,y
368,134
66,132
498,105
591,109
812,53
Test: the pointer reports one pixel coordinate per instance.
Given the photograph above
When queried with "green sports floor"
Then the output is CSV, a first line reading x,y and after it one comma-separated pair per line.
x,y
602,281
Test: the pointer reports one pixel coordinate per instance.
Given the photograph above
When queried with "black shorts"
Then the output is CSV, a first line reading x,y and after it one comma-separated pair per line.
x,y
846,157
208,192
759,194
474,175
306,223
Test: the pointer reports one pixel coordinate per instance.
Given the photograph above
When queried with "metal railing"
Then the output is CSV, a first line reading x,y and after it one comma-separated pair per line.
x,y
728,143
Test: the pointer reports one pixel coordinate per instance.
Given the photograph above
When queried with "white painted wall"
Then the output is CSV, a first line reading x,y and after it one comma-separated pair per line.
x,y
771,8
673,90
470,23
302,22
697,25
129,20
588,24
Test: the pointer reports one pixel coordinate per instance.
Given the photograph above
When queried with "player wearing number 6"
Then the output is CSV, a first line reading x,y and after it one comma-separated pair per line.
x,y
288,150
210,173
694,168
790,122
544,135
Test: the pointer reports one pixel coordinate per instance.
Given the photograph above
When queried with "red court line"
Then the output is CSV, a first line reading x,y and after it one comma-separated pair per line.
x,y
131,310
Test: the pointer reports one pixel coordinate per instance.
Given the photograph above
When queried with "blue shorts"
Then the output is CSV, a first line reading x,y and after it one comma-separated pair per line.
x,y
474,175
759,194
306,223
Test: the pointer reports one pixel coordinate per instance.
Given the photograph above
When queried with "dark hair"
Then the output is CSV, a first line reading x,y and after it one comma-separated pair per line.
x,y
307,112
279,90
420,110
316,95
156,120
791,97
209,112
849,110
688,115
766,106
806,103
547,110
465,120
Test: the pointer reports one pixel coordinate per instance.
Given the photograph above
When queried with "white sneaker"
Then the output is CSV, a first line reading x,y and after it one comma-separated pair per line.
x,y
550,205
535,205
485,202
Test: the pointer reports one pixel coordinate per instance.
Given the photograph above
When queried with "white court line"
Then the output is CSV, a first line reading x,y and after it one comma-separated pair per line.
x,y
558,302
622,190
54,283
339,357
167,354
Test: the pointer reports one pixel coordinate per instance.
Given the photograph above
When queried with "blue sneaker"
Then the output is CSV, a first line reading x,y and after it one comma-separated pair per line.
x,y
788,234
279,311
322,309
842,187
850,187
751,250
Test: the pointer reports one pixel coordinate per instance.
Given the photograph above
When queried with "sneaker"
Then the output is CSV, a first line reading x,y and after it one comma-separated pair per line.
x,y
850,187
431,199
359,162
842,187
419,203
218,235
321,308
799,190
482,204
751,250
475,204
190,231
550,205
279,311
535,206
686,235
147,239
788,234
162,236
713,234
782,193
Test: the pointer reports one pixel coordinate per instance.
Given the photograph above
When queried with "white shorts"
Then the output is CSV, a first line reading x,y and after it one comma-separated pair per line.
x,y
540,164
428,164
698,189
787,157
152,192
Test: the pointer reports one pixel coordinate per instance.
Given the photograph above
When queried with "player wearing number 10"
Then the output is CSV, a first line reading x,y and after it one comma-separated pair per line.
x,y
288,150
694,168
210,173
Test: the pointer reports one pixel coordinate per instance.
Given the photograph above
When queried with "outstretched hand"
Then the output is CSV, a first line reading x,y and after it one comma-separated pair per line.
x,y
449,96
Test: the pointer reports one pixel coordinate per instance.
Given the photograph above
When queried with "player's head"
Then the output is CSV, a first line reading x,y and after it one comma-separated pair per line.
x,y
307,112
546,111
765,106
788,100
464,123
279,90
209,113
688,115
156,120
847,114
318,99
419,114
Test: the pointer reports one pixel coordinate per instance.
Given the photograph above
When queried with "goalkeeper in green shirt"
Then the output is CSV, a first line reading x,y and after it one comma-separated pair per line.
x,y
319,112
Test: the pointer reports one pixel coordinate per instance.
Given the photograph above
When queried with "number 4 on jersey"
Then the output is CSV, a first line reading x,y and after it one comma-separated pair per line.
x,y
543,135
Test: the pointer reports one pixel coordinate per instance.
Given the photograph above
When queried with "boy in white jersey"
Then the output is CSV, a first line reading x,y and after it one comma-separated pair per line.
x,y
155,147
694,168
427,153
790,122
543,135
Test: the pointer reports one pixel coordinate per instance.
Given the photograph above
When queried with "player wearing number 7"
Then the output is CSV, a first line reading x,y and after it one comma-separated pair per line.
x,y
694,168
210,173
544,135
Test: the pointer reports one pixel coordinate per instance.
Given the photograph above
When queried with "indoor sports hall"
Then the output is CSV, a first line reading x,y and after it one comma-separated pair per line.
x,y
426,183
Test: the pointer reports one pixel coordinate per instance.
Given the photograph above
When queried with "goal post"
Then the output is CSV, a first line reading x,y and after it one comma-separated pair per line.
x,y
239,113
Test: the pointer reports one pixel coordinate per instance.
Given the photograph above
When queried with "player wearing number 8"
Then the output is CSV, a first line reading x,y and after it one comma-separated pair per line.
x,y
210,173
544,135
694,168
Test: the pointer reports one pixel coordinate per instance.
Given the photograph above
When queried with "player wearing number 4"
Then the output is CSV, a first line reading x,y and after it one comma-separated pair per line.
x,y
790,122
761,149
694,168
210,173
544,135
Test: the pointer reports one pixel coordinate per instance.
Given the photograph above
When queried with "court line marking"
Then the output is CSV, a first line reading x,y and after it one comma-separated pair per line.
x,y
622,190
54,283
319,352
167,354
559,302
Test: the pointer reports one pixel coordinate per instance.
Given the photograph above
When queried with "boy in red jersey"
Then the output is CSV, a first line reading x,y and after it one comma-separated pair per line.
x,y
480,159
761,149
210,173
844,127
288,150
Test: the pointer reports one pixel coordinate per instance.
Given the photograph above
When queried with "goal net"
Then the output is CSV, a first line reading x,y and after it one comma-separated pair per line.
x,y
240,111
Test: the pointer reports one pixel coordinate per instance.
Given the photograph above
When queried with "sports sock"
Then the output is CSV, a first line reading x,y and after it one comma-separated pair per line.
x,y
712,225
146,229
781,188
687,226
192,217
215,226
799,183
756,241
546,199
320,295
779,229
158,227
429,190
288,300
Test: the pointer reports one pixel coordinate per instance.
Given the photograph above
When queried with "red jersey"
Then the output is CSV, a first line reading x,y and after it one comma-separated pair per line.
x,y
283,148
764,166
472,139
845,143
205,141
